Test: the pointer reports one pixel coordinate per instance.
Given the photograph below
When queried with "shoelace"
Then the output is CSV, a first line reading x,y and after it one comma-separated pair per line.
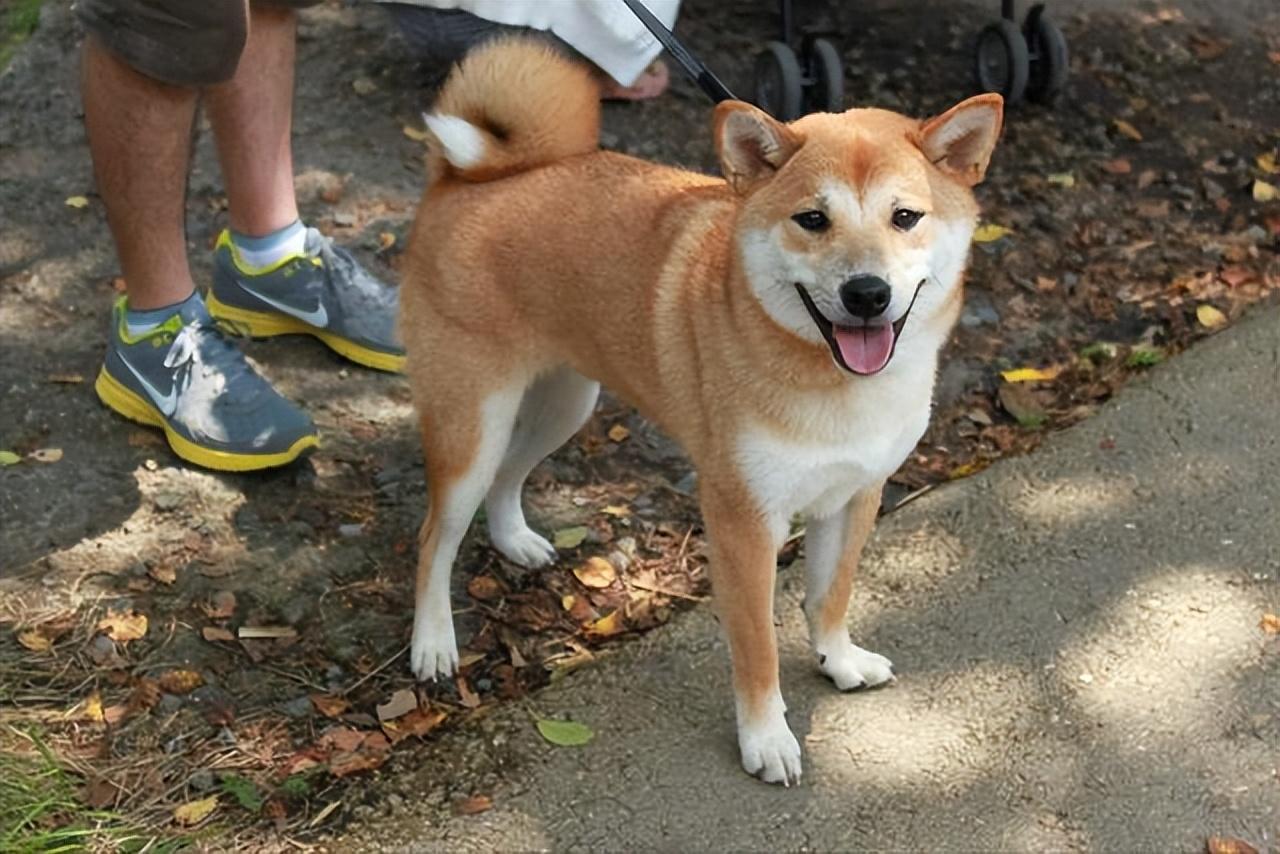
x,y
200,342
336,258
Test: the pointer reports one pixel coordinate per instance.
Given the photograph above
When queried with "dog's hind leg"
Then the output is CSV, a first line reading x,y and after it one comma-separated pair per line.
x,y
553,409
464,440
832,547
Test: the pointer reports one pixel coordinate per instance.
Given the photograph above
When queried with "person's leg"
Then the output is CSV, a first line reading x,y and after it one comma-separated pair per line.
x,y
139,133
252,117
272,275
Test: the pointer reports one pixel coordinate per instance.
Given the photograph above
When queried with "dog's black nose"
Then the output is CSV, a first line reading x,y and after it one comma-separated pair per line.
x,y
866,296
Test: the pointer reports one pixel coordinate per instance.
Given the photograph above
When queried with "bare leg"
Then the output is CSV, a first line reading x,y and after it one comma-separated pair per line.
x,y
252,117
140,139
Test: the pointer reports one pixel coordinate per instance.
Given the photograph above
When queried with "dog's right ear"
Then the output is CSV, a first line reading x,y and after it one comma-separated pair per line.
x,y
752,145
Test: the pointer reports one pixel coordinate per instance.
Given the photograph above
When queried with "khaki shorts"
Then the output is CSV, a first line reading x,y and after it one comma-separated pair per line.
x,y
182,42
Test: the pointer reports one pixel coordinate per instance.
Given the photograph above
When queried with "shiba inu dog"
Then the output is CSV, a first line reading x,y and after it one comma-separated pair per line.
x,y
782,323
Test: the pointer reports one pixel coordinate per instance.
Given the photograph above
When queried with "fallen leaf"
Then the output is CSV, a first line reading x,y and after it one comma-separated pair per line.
x,y
1267,163
125,627
163,573
1228,845
194,812
46,455
329,705
564,733
1210,317
616,510
92,708
180,681
144,696
342,738
966,469
345,764
619,433
484,587
990,232
607,626
1021,403
1147,178
473,805
77,202
214,634
220,605
1119,166
9,458
1270,624
415,134
1061,179
1031,375
66,379
1206,47
100,793
34,640
386,240
469,698
596,572
570,538
401,703
418,722
567,601
1127,129
1236,276
252,632
1264,192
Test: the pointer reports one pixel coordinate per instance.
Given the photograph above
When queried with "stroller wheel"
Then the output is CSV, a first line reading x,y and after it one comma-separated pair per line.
x,y
1002,63
778,83
1048,53
826,93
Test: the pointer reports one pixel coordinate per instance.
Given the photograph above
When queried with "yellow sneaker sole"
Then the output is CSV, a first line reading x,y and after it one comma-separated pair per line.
x,y
136,408
260,324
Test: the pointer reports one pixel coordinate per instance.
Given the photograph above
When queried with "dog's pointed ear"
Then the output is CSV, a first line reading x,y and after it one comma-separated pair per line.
x,y
960,141
752,145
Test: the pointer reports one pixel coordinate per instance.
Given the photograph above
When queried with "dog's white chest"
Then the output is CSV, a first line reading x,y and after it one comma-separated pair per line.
x,y
845,448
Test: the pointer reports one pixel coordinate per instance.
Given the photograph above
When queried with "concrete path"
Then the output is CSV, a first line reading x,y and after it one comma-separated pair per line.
x,y
1079,655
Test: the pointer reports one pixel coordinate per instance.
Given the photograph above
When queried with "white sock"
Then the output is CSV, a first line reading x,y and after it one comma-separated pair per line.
x,y
271,248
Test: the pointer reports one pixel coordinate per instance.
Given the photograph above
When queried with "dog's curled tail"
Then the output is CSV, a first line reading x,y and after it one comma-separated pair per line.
x,y
510,105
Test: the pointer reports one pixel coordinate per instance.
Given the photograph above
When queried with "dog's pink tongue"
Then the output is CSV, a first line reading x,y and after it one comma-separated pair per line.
x,y
866,349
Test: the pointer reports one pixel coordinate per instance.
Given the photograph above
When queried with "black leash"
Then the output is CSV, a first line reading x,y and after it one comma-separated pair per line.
x,y
692,66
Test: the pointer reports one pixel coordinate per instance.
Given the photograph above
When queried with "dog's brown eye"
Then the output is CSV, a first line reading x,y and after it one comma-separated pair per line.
x,y
905,220
812,220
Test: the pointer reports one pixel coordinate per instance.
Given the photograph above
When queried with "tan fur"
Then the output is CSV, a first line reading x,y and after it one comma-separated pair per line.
x,y
628,272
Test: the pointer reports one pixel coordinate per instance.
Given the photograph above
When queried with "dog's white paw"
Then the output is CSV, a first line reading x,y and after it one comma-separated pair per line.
x,y
769,750
433,651
522,546
850,666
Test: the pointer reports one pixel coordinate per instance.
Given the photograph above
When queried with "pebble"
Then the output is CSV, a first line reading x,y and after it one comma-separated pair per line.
x,y
202,780
299,707
167,501
350,530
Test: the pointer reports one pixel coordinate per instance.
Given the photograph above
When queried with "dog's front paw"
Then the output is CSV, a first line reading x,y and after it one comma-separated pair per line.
x,y
434,651
524,547
770,751
850,666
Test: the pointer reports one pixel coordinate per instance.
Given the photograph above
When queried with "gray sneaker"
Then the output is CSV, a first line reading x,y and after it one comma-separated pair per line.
x,y
187,378
322,292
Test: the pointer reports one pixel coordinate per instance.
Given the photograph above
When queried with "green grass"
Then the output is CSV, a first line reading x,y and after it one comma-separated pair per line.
x,y
18,22
40,812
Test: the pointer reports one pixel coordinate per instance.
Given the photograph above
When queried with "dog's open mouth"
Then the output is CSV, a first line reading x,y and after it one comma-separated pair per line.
x,y
862,350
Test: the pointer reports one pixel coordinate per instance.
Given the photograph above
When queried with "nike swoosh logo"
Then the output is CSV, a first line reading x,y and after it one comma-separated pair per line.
x,y
166,403
316,317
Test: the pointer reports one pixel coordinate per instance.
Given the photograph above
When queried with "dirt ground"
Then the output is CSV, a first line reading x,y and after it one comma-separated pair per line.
x,y
1137,224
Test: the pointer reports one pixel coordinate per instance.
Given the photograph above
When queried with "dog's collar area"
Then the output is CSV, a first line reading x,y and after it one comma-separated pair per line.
x,y
827,328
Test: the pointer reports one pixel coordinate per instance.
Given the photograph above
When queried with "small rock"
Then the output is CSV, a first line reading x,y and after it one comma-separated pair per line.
x,y
299,707
1212,189
169,704
484,684
202,780
342,219
350,530
1257,234
167,501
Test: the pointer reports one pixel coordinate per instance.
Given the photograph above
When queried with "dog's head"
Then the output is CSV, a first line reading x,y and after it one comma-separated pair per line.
x,y
850,223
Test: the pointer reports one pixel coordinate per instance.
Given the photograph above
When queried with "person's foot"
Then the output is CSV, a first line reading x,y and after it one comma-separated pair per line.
x,y
185,377
651,83
321,291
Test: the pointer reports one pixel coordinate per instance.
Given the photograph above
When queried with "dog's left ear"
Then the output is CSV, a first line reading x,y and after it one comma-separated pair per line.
x,y
752,145
960,141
